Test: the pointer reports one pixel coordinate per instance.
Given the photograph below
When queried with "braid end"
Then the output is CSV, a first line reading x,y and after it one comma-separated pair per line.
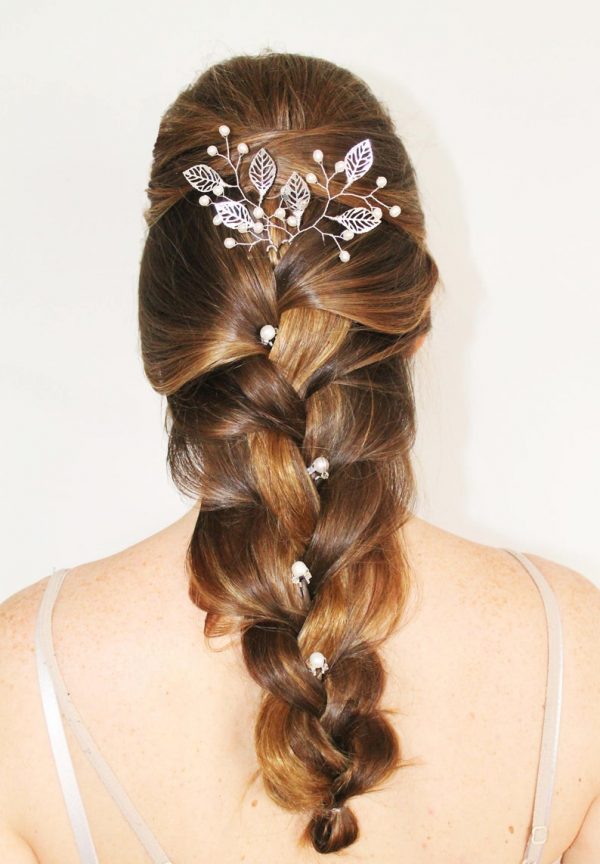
x,y
332,830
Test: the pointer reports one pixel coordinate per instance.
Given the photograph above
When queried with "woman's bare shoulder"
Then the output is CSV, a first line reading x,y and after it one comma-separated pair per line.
x,y
20,717
445,550
17,629
495,575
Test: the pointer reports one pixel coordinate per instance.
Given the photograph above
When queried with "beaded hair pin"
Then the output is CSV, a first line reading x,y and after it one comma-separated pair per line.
x,y
249,217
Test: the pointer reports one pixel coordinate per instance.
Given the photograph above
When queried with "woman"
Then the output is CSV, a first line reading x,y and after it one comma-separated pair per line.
x,y
285,286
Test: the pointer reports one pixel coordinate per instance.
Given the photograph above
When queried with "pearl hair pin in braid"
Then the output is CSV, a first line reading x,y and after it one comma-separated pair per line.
x,y
267,334
300,572
319,469
301,577
250,217
318,664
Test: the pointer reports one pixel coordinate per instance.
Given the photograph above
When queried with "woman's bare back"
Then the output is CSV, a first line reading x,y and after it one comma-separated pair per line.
x,y
175,720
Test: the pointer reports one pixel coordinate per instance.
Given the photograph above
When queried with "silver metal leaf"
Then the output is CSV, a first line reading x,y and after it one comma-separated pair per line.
x,y
202,177
296,194
358,160
262,171
234,214
358,219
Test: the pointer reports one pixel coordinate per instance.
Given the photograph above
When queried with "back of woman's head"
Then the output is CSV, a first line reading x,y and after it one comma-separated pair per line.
x,y
246,419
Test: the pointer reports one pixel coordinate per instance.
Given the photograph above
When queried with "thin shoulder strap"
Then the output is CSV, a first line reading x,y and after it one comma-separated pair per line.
x,y
552,712
56,731
55,697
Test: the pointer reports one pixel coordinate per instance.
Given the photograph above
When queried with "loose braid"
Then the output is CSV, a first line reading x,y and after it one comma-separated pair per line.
x,y
246,420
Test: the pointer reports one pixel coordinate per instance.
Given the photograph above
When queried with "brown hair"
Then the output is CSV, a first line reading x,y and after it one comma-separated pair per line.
x,y
245,420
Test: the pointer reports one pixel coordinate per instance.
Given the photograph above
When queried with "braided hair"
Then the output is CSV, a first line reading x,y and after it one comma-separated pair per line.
x,y
246,419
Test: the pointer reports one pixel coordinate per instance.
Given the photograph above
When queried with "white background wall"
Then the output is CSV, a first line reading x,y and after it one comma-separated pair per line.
x,y
498,106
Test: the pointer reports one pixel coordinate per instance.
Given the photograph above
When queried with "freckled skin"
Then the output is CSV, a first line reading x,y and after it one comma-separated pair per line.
x,y
467,673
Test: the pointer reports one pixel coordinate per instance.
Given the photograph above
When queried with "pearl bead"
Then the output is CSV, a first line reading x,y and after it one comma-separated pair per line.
x,y
395,210
311,178
224,130
280,213
204,200
267,333
258,227
347,234
300,572
229,242
318,469
381,182
317,663
340,166
318,155
344,255
218,189
291,220
321,464
242,148
217,220
377,212
212,150
258,212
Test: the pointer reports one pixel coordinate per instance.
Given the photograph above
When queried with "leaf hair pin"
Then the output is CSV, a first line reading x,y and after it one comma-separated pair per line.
x,y
249,217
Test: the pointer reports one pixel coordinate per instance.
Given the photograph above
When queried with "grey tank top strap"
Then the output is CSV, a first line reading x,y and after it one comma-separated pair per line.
x,y
552,713
56,699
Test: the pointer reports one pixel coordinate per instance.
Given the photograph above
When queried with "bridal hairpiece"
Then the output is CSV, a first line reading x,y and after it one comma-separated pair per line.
x,y
250,217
